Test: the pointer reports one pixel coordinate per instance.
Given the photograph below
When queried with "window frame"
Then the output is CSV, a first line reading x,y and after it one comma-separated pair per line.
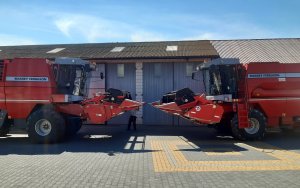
x,y
157,69
121,67
189,69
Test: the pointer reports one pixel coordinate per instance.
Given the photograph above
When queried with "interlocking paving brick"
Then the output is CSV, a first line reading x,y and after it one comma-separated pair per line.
x,y
166,150
222,152
98,157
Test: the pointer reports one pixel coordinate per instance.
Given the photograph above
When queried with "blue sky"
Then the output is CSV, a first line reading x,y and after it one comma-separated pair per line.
x,y
88,21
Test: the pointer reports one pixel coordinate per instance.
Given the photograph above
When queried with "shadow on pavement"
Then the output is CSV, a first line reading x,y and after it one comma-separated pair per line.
x,y
114,139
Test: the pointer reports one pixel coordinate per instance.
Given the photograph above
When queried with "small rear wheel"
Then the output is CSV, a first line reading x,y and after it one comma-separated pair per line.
x,y
73,125
257,128
4,130
223,127
46,126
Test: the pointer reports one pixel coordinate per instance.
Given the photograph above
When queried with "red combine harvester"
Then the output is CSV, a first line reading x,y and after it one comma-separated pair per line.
x,y
244,98
50,96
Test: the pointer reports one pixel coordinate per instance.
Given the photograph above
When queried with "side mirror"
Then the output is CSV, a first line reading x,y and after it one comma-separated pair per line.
x,y
195,76
101,75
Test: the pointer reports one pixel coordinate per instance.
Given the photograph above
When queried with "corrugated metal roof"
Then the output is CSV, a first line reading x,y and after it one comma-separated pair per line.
x,y
103,50
260,50
263,50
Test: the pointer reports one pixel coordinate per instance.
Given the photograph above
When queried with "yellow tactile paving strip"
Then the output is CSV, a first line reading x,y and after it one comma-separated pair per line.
x,y
168,158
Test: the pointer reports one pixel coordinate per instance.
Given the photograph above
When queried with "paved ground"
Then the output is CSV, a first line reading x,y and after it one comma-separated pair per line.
x,y
153,156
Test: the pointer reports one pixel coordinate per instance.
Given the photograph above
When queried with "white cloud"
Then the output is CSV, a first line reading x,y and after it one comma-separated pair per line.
x,y
64,26
11,40
88,28
95,29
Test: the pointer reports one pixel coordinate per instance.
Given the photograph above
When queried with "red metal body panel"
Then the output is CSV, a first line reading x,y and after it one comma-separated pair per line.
x,y
97,111
22,96
103,111
2,96
207,114
59,98
71,109
276,93
293,101
172,108
200,110
2,85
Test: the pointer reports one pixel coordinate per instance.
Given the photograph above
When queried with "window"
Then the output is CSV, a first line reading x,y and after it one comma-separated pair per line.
x,y
157,69
189,69
171,48
55,50
117,49
120,70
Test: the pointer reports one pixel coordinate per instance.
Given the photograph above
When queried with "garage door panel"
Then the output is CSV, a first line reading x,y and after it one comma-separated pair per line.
x,y
154,86
127,82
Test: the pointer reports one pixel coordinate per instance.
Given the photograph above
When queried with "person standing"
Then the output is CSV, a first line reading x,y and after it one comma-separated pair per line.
x,y
132,119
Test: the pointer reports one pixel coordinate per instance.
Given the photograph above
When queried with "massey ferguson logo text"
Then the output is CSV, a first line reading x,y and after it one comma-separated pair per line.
x,y
266,75
26,79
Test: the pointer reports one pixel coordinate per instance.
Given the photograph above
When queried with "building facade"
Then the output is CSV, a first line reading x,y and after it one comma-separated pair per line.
x,y
150,69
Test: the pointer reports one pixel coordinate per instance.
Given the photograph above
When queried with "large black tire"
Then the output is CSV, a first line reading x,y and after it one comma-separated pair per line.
x,y
4,130
46,126
73,125
257,130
